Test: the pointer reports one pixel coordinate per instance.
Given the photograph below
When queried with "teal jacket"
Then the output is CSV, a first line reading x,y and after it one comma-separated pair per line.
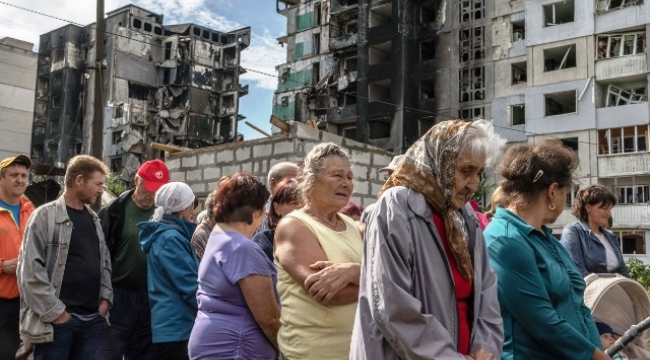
x,y
172,276
540,293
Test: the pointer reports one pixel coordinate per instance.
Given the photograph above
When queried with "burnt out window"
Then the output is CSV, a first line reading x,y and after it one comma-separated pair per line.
x,y
137,23
147,27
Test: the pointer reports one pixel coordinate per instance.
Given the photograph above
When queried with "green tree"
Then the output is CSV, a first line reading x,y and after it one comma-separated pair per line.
x,y
639,272
483,192
115,184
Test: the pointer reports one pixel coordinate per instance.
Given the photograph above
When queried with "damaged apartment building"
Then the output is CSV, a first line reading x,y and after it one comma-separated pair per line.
x,y
384,71
578,71
173,84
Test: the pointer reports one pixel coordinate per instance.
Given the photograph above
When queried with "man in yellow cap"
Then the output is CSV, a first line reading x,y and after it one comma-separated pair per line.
x,y
14,213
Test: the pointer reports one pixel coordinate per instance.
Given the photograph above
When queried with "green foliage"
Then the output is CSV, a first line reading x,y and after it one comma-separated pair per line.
x,y
115,184
639,272
483,193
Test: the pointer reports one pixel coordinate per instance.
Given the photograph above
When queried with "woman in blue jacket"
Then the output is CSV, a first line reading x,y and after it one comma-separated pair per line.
x,y
172,270
592,247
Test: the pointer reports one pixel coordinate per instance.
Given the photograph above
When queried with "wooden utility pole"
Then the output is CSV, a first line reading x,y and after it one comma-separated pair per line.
x,y
97,143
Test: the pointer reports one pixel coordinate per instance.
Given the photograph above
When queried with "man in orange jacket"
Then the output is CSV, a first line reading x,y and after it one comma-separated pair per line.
x,y
14,213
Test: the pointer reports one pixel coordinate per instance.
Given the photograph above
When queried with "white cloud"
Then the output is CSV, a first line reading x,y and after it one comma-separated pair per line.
x,y
263,55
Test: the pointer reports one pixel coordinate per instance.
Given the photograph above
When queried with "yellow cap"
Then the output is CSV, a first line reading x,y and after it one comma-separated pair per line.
x,y
20,159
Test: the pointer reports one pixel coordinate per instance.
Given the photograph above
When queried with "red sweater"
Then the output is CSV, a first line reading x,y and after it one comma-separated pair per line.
x,y
463,289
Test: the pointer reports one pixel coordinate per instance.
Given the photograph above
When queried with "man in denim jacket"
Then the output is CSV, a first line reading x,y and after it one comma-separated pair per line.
x,y
64,270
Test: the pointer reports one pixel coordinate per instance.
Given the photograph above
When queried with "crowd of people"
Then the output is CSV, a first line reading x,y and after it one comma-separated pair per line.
x,y
293,270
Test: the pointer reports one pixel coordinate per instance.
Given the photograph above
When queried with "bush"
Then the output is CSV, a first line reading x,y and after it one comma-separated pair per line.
x,y
115,184
639,272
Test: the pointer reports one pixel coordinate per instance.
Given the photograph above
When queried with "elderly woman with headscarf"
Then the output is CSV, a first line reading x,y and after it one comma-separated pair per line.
x,y
427,290
171,269
318,255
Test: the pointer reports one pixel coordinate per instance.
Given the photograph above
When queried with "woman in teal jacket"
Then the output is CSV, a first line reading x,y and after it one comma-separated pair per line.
x,y
172,270
540,288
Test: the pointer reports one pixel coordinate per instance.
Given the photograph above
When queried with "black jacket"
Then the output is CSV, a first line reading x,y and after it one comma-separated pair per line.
x,y
112,218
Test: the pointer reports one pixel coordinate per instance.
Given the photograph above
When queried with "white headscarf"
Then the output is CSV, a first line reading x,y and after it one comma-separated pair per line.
x,y
172,197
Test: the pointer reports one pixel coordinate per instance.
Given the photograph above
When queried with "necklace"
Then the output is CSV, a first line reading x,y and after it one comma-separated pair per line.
x,y
324,221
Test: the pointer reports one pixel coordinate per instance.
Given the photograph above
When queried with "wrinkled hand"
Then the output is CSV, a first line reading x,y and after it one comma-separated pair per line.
x,y
481,354
9,266
327,282
103,307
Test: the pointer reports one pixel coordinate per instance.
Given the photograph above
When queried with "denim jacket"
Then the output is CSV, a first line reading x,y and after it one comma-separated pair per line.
x,y
41,264
588,252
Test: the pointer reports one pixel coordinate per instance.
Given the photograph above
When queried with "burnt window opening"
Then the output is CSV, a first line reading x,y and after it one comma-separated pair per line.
x,y
215,37
378,130
168,50
379,91
348,97
317,14
137,23
560,103
196,31
427,50
56,102
349,132
559,13
472,84
225,128
138,92
118,112
351,27
611,5
518,30
519,73
58,55
615,45
229,55
380,53
206,34
471,113
471,10
315,73
622,140
57,79
54,124
316,43
471,44
350,64
427,89
617,96
37,152
424,124
43,60
380,15
166,76
53,149
147,27
157,30
116,165
428,13
228,104
571,143
518,114
559,58
116,137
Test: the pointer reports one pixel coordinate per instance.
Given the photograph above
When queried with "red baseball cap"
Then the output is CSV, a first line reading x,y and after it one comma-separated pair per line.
x,y
154,174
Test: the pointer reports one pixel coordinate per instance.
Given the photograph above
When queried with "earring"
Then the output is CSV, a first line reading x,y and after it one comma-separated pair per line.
x,y
551,206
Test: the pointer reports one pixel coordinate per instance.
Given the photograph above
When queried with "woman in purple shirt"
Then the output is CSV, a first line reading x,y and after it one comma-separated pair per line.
x,y
239,313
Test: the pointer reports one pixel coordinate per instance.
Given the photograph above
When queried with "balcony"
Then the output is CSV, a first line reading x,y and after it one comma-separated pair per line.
x,y
631,216
621,66
343,6
624,165
343,41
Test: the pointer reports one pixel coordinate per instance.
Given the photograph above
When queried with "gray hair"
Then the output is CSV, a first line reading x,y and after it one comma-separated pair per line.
x,y
314,164
209,205
480,138
278,172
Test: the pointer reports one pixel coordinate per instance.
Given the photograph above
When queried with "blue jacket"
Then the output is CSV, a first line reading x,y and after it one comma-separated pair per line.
x,y
541,293
588,252
172,273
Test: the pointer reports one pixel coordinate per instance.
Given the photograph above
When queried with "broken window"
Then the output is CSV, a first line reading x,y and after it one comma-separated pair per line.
x,y
284,101
316,43
471,10
618,96
37,152
138,92
561,57
518,30
632,241
428,13
519,71
623,140
116,165
147,27
315,73
380,53
518,114
635,194
118,112
227,104
215,37
349,132
196,31
137,23
427,50
229,56
168,50
58,55
117,137
53,149
559,13
471,113
206,34
350,64
426,89
351,27
472,84
571,143
560,103
471,44
157,30
378,130
610,5
379,91
615,45
56,102
317,14
380,15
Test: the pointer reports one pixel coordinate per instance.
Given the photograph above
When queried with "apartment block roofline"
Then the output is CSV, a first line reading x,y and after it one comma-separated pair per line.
x,y
130,6
17,43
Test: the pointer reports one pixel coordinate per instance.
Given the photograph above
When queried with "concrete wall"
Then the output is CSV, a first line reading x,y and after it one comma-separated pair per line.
x,y
584,50
502,123
202,169
583,24
17,83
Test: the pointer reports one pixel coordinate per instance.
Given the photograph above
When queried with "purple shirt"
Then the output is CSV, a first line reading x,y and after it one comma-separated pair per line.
x,y
225,327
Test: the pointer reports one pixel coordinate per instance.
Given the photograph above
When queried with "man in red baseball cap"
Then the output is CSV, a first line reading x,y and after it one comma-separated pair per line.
x,y
129,335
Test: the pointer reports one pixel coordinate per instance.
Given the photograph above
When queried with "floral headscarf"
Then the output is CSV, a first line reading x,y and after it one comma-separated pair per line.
x,y
429,167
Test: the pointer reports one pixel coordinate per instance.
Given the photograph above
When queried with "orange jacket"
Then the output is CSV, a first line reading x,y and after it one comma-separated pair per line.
x,y
11,236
